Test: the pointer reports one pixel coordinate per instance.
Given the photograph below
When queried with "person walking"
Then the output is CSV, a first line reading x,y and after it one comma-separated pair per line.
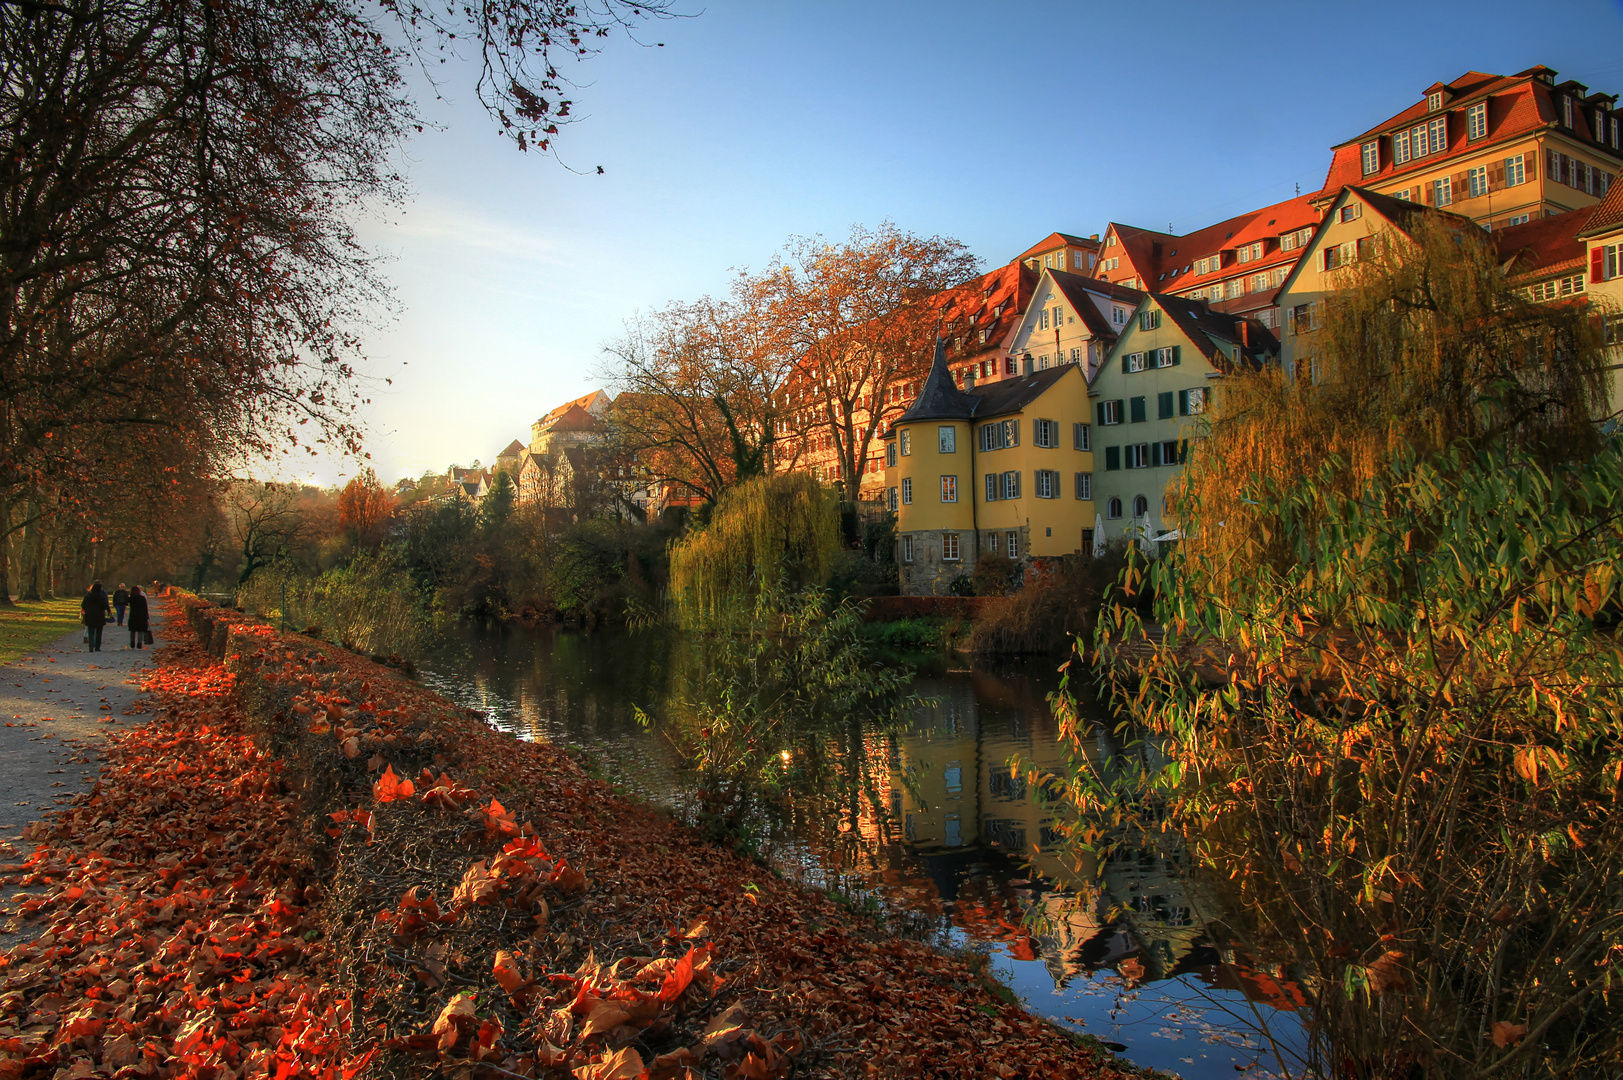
x,y
93,612
121,600
138,618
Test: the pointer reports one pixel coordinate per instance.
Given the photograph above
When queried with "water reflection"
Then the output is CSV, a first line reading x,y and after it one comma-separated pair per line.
x,y
930,820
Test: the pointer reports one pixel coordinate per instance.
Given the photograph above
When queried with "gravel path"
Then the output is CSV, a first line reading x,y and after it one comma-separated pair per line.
x,y
57,704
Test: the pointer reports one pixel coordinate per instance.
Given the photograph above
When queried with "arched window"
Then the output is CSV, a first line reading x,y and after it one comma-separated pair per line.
x,y
1141,506
1114,508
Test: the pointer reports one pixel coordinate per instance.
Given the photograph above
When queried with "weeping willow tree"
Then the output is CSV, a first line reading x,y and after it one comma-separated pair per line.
x,y
1424,346
766,537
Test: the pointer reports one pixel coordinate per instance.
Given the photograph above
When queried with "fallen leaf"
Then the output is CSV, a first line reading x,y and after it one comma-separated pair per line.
x,y
623,1064
1506,1034
457,1014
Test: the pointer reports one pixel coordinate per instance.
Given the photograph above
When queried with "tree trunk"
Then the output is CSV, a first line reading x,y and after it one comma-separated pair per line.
x,y
34,544
5,552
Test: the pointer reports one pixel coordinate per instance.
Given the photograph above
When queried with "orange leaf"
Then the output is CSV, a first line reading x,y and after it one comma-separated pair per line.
x,y
679,978
1506,1034
352,748
458,1012
506,971
623,1064
606,1016
390,787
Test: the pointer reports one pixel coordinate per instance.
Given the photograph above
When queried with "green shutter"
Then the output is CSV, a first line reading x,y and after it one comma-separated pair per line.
x,y
1183,403
1176,359
1101,410
1163,405
1124,363
1112,458
1155,453
1138,410
1183,451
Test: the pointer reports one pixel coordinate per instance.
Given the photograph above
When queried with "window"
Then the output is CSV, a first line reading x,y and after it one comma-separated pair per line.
x,y
1566,111
1047,484
1112,458
1167,357
947,439
949,547
1476,180
907,549
1605,263
1516,170
1371,153
1517,219
1248,253
1165,402
1109,413
1000,434
1141,506
1084,485
1011,366
1351,212
1042,319
1417,140
1136,409
1443,191
1113,508
1012,539
1434,101
1476,121
1235,288
907,491
1133,362
1617,131
890,455
1076,354
992,542
905,440
1438,132
1400,147
1404,194
1082,436
1011,484
1138,455
1166,453
1149,320
890,500
1076,260
1059,316
1192,402
949,489
1045,433
1118,316
991,487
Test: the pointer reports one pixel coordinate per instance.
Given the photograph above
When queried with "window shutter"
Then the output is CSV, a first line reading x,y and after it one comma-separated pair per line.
x,y
1496,176
1597,264
1112,457
1155,453
1428,191
1183,451
1124,368
1176,349
1183,403
1100,408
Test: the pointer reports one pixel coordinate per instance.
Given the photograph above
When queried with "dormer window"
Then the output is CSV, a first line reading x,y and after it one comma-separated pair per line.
x,y
1434,101
1476,121
1566,111
1371,153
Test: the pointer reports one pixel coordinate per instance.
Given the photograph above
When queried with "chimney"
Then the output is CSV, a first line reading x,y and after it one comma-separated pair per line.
x,y
1245,334
969,377
1027,364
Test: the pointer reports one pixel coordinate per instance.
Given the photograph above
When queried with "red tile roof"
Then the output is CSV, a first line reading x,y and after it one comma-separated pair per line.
x,y
571,417
514,449
1055,240
991,303
1545,246
1608,215
1517,105
586,402
1266,225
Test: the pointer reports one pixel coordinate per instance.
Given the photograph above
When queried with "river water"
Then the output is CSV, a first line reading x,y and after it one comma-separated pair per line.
x,y
941,837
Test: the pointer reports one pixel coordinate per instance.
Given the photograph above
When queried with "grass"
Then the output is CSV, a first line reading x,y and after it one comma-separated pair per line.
x,y
26,627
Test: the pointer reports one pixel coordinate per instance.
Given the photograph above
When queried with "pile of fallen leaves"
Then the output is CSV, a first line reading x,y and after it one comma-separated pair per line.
x,y
486,910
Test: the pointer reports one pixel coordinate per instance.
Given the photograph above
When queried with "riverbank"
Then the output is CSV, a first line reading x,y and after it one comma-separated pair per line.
x,y
501,912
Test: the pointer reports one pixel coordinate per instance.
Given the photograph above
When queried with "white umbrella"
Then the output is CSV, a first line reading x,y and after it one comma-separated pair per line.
x,y
1098,535
1147,540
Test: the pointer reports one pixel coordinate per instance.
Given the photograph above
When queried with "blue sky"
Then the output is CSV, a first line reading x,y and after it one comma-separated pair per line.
x,y
994,123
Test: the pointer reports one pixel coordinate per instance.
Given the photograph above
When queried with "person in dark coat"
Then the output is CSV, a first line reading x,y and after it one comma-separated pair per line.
x,y
121,600
93,612
138,618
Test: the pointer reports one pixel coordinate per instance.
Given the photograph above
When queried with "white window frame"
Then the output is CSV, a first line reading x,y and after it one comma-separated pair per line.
x,y
1434,101
1010,484
1442,191
1400,147
907,491
991,486
1045,433
1012,543
1082,437
1438,134
907,549
1163,357
904,439
1047,484
950,551
1516,170
890,455
949,487
1113,412
1135,361
1084,486
1196,397
1136,452
1477,181
1370,155
891,500
1476,121
1113,508
947,438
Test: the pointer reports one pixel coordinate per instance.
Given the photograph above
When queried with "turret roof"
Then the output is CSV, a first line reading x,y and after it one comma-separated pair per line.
x,y
940,399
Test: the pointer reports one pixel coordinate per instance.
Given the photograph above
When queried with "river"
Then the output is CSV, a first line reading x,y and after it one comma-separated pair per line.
x,y
941,838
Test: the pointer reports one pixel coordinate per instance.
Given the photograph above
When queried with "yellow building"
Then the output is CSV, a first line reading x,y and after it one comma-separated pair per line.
x,y
1500,150
999,469
1602,236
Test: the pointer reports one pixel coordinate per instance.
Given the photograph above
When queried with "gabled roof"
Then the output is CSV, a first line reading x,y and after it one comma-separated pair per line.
x,y
1075,288
1608,215
1544,246
940,399
990,304
570,418
594,403
1058,239
1141,250
1012,395
1266,224
514,449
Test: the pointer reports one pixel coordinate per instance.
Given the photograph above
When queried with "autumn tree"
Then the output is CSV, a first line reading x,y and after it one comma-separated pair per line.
x,y
700,384
859,315
364,509
182,179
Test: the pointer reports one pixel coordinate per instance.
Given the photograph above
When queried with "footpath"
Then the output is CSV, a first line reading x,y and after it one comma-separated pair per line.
x,y
306,865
